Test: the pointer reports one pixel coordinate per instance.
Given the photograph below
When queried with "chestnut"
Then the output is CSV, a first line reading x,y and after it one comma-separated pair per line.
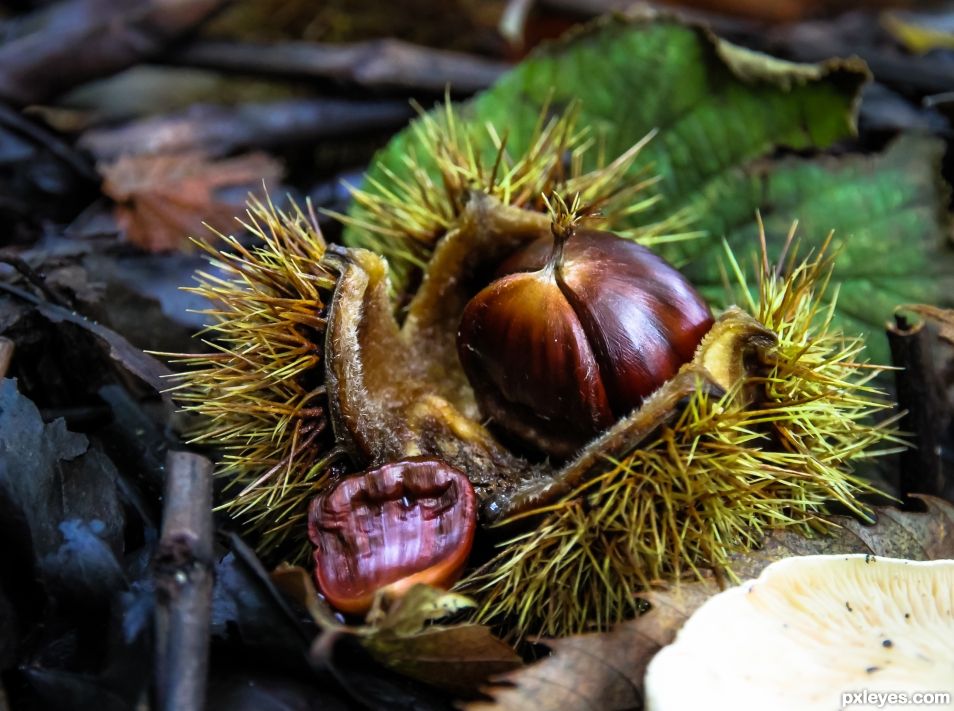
x,y
576,332
404,523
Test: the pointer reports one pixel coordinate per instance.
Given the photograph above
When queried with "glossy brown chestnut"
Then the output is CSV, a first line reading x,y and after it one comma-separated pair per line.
x,y
391,527
578,330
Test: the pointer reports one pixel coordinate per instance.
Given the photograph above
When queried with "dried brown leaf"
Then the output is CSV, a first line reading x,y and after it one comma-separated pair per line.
x,y
605,671
163,199
458,657
296,584
148,369
944,318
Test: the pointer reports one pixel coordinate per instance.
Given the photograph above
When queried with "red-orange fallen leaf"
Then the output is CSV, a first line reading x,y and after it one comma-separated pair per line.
x,y
605,671
163,199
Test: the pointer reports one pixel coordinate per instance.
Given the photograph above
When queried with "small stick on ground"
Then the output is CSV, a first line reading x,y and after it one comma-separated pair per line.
x,y
75,41
184,572
921,396
223,130
6,355
375,64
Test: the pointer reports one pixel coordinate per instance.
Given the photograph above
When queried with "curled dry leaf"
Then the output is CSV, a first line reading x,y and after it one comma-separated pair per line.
x,y
163,199
402,636
458,657
606,670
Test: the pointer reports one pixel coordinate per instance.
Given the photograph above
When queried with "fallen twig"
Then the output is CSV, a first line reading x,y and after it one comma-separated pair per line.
x,y
17,122
85,39
36,280
385,63
220,130
184,568
921,395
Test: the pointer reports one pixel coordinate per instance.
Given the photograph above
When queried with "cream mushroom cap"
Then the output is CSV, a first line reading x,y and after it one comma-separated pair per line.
x,y
809,629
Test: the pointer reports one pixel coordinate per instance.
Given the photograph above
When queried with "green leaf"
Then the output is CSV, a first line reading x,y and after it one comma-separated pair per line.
x,y
889,213
723,114
717,107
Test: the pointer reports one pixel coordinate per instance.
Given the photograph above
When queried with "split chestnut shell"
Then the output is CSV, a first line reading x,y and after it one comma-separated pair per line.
x,y
575,335
391,527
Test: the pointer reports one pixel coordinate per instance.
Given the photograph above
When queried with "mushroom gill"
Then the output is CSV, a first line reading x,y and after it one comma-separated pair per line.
x,y
811,629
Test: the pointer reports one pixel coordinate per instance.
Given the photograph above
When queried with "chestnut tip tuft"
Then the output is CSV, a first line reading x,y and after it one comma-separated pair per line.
x,y
392,527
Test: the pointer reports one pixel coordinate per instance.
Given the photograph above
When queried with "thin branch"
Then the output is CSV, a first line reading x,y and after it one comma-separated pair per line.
x,y
220,130
81,40
385,63
33,131
184,576
35,279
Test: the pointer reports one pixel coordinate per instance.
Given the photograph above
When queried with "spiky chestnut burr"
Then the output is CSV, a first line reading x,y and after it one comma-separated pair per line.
x,y
760,429
310,366
765,439
724,451
259,394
